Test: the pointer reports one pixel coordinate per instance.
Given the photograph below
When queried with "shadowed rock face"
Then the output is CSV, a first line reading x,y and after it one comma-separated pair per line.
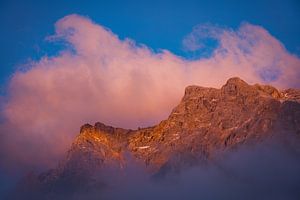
x,y
206,121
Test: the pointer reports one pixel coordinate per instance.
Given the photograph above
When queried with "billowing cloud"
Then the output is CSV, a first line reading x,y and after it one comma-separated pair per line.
x,y
99,77
250,52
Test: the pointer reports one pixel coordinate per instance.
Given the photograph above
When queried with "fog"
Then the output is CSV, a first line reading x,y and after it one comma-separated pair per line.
x,y
268,170
265,171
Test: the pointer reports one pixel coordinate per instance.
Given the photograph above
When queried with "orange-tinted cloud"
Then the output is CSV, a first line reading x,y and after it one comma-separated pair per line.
x,y
99,77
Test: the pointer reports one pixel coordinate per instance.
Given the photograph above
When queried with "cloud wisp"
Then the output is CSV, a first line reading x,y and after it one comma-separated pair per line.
x,y
99,77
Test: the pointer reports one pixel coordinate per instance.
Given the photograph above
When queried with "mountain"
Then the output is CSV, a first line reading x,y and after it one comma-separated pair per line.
x,y
206,122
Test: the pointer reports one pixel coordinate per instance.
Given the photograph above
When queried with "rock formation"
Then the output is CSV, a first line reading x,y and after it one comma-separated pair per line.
x,y
206,121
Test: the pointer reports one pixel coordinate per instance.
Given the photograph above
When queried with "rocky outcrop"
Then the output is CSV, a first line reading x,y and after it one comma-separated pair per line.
x,y
206,121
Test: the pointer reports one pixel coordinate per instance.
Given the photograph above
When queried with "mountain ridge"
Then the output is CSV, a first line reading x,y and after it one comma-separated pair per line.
x,y
206,121
185,118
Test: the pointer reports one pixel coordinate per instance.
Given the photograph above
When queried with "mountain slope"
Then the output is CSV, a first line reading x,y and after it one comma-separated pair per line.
x,y
206,121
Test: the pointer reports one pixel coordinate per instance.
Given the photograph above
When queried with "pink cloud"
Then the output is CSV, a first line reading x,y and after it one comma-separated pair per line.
x,y
118,82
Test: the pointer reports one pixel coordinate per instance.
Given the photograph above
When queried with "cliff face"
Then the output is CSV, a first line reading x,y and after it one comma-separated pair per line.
x,y
206,121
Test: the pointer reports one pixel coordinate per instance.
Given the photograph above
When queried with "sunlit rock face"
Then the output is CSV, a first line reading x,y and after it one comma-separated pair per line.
x,y
206,122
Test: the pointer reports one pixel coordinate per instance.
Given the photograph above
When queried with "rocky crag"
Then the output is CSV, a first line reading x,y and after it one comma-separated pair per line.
x,y
206,121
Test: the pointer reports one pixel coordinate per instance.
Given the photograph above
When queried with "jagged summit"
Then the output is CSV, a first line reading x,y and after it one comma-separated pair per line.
x,y
236,86
100,127
235,80
206,121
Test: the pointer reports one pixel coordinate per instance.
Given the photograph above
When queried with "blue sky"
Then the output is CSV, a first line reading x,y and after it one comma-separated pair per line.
x,y
158,24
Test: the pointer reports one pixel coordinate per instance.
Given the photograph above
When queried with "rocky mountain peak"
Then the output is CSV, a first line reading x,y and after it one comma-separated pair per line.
x,y
238,87
206,121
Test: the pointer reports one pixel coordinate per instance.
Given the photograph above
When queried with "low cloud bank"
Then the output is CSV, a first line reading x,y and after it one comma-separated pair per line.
x,y
264,171
268,170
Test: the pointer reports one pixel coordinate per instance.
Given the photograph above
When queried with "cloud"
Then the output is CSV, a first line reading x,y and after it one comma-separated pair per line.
x,y
99,77
262,171
250,52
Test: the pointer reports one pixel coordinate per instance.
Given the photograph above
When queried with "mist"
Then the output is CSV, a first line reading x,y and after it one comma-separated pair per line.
x,y
267,170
